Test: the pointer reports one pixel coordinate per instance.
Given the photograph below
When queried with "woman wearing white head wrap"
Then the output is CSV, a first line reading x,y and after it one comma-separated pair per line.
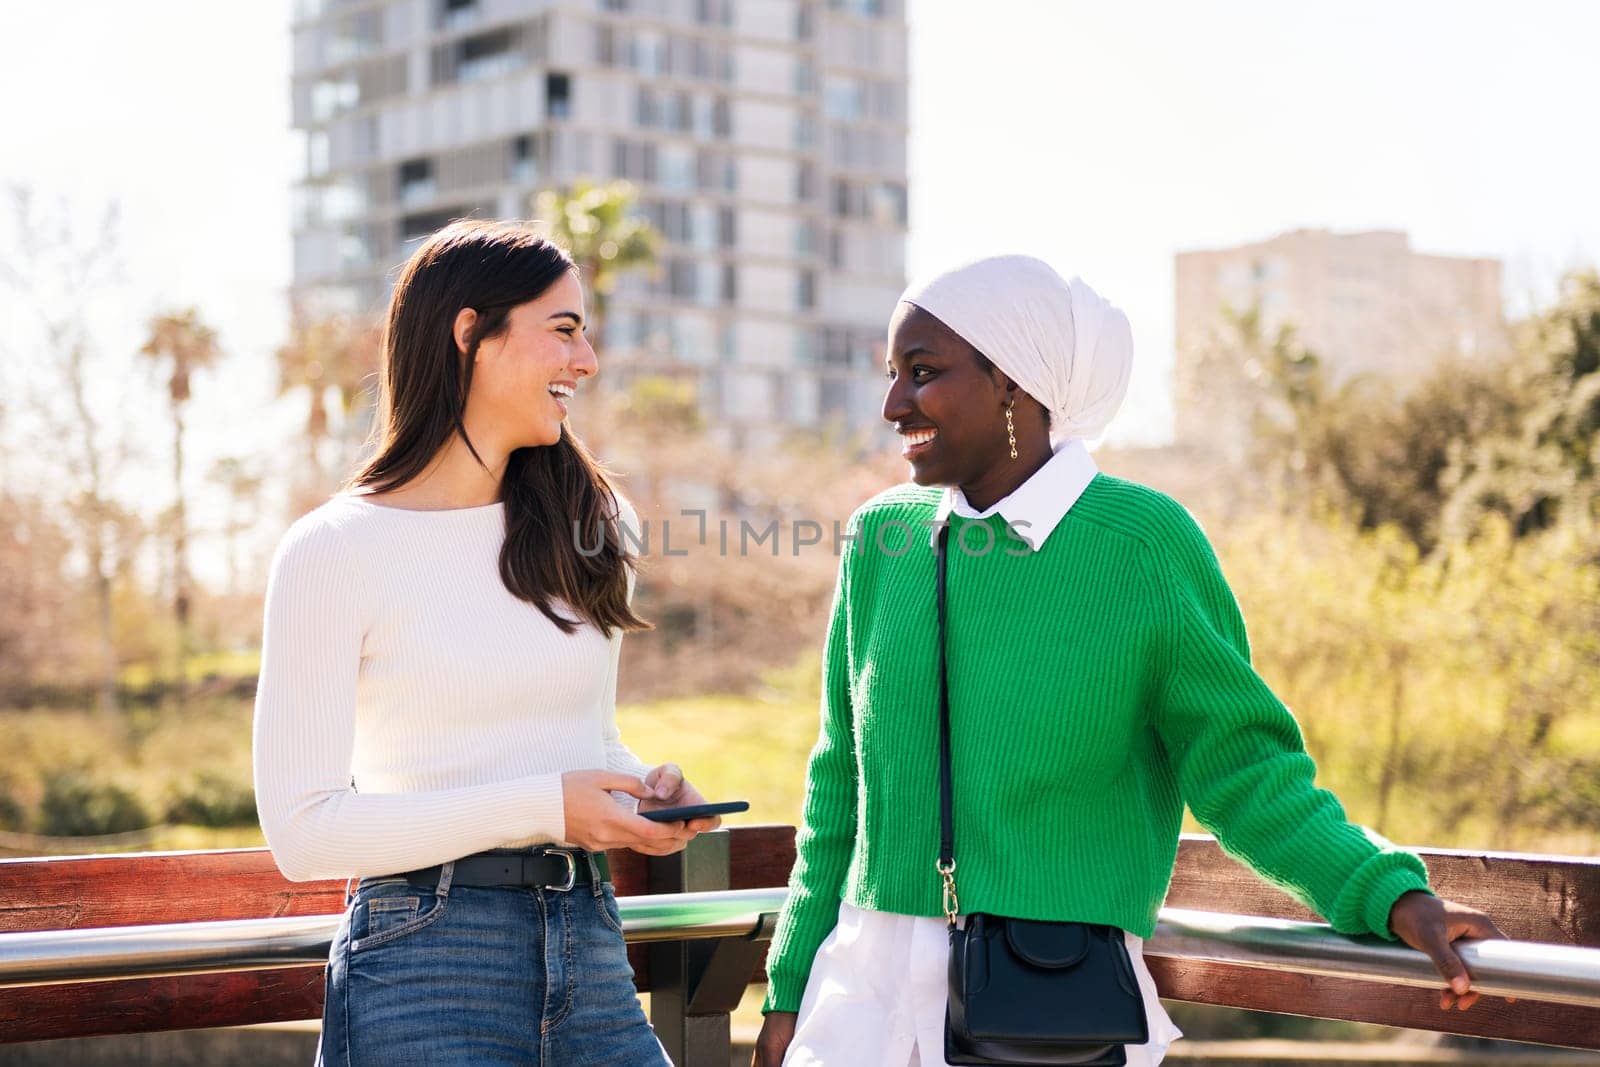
x,y
1064,344
1099,679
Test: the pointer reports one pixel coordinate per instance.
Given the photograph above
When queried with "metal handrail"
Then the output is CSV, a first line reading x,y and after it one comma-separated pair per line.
x,y
1534,970
49,957
1554,973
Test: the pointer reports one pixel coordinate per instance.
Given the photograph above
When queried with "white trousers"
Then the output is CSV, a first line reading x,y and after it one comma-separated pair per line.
x,y
876,996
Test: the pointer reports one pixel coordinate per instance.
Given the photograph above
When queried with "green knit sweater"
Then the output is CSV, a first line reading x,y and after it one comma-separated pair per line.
x,y
1096,686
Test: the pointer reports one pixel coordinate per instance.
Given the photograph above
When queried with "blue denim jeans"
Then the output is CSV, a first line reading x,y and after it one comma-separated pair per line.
x,y
468,975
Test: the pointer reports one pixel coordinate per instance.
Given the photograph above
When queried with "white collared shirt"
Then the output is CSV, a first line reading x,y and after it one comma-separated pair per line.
x,y
877,991
1036,507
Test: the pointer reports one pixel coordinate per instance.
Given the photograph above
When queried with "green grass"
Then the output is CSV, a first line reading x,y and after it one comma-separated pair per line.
x,y
735,747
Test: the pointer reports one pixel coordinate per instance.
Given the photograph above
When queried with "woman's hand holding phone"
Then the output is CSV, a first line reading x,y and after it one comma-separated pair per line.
x,y
669,789
596,822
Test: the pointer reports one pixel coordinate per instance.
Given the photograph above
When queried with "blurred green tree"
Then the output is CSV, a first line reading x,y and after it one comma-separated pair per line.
x,y
1517,437
606,237
1546,467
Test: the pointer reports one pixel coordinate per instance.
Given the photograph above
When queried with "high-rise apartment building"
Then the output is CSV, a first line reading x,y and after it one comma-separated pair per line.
x,y
766,138
1365,303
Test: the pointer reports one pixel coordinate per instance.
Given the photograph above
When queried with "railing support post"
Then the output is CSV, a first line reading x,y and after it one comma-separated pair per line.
x,y
694,985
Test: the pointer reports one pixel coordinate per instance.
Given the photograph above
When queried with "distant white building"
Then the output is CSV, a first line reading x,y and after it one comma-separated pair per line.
x,y
767,139
1363,302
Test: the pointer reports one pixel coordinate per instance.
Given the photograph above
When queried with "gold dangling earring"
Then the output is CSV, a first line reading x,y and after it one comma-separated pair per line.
x,y
1011,431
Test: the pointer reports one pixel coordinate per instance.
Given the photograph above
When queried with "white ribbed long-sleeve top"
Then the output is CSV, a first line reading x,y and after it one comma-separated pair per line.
x,y
411,710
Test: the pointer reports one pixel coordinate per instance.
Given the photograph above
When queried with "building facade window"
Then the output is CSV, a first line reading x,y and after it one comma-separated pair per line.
x,y
833,399
889,204
805,182
353,36
852,99
657,53
683,278
480,57
805,131
558,95
329,96
882,202
805,20
665,110
676,168
806,238
606,50
486,55
414,181
841,199
716,171
317,154
805,77
647,53
457,14
870,9
636,161
846,348
524,169
844,99
673,219
714,12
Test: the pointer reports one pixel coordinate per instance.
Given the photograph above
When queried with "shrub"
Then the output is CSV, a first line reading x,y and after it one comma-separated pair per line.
x,y
212,800
11,810
75,805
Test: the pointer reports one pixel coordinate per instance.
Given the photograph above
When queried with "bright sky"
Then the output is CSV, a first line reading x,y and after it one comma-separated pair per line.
x,y
1103,137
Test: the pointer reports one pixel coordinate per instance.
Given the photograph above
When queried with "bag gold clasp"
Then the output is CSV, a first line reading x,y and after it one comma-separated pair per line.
x,y
952,907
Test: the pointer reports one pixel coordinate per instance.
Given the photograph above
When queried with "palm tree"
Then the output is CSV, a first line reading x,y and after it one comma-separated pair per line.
x,y
328,352
597,227
182,344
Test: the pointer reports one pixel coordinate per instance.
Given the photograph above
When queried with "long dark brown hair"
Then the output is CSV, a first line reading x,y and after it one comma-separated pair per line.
x,y
551,493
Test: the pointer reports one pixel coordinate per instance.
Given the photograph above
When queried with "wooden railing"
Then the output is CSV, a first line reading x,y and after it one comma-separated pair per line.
x,y
694,984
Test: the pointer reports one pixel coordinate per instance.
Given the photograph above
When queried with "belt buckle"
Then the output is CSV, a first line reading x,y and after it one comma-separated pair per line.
x,y
572,869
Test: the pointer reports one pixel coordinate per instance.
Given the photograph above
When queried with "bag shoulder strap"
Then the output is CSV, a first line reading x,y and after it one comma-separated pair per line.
x,y
947,828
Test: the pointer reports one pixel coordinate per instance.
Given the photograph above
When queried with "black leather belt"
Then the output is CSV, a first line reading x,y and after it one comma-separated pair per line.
x,y
543,868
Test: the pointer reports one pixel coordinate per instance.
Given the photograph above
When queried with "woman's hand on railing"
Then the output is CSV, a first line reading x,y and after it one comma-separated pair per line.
x,y
1429,925
670,789
596,822
777,1031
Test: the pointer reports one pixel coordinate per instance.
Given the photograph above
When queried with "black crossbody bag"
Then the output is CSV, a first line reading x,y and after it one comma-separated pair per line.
x,y
1024,991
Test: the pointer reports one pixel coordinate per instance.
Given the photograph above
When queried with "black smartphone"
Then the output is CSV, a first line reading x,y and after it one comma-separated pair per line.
x,y
696,811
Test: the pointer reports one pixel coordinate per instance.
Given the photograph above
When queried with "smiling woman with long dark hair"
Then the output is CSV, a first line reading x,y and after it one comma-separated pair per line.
x,y
436,710
1098,680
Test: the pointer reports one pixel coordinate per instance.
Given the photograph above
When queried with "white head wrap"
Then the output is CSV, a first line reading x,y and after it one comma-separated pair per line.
x,y
1061,342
